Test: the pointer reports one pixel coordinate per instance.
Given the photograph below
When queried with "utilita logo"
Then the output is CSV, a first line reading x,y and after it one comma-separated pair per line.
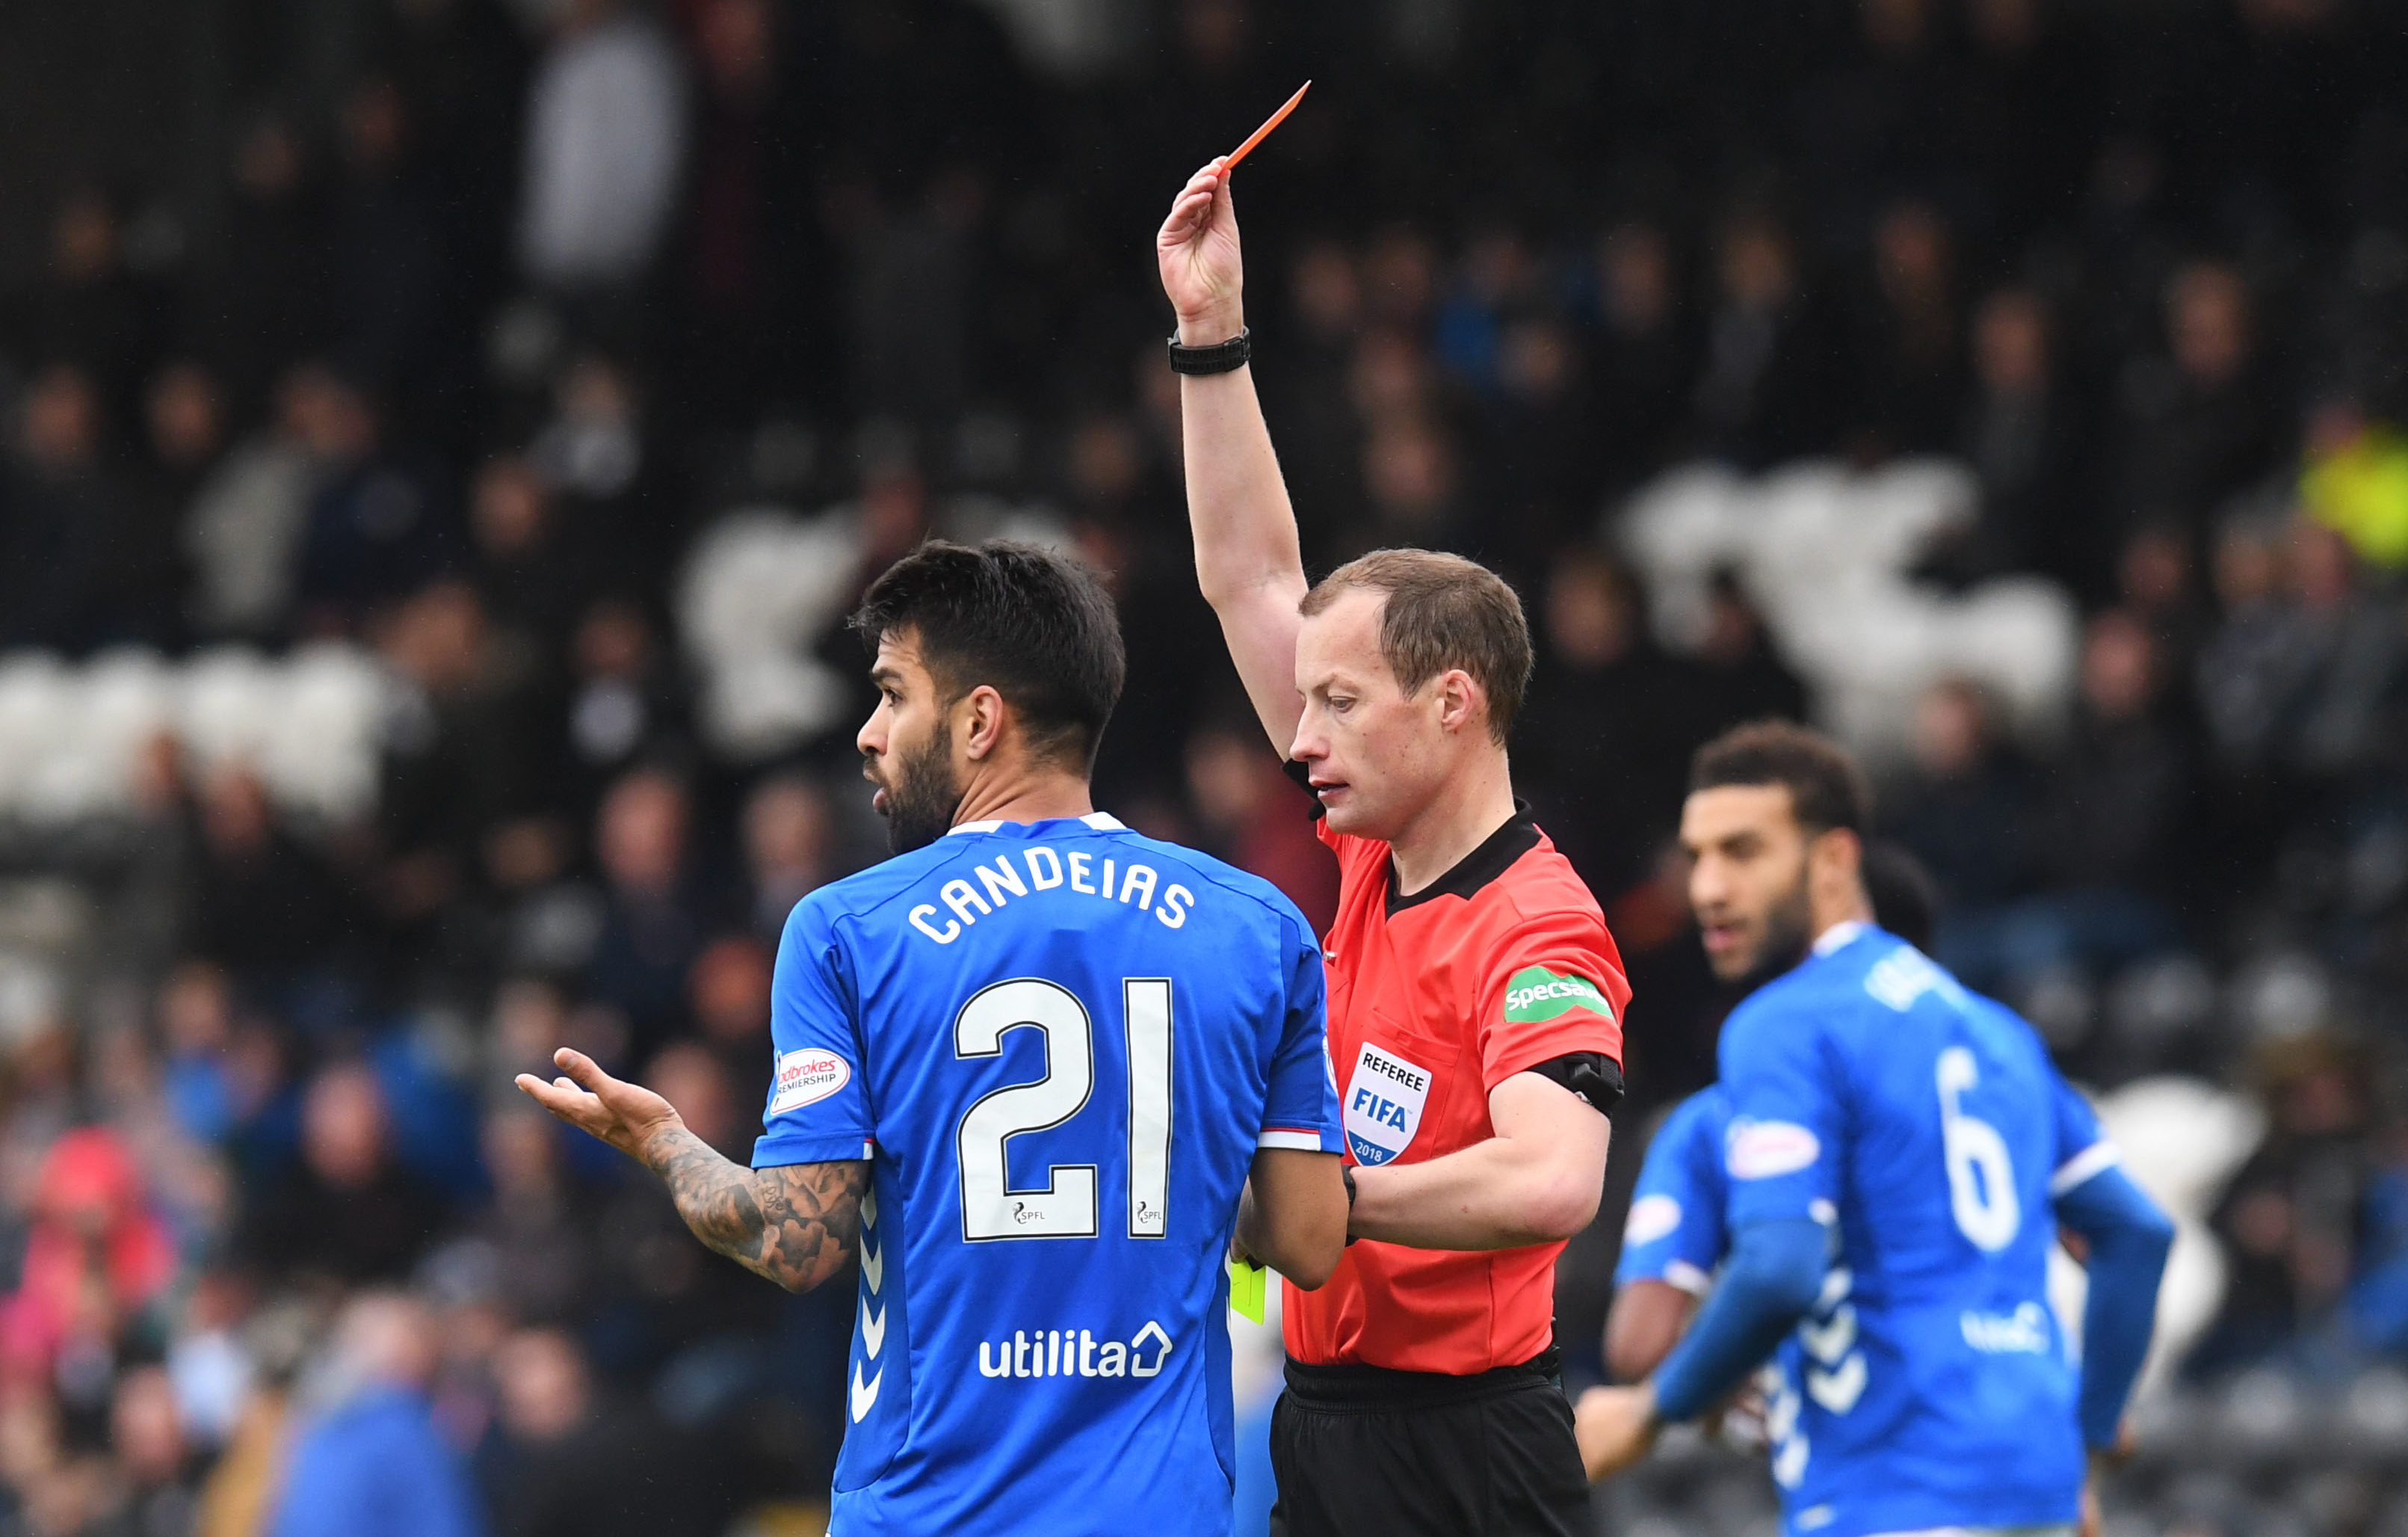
x,y
1075,1353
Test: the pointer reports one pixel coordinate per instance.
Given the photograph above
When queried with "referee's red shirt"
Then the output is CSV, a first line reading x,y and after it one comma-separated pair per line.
x,y
1500,965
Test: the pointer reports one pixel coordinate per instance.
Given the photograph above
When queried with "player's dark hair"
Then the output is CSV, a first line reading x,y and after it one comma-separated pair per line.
x,y
1442,612
1827,789
1036,626
1905,897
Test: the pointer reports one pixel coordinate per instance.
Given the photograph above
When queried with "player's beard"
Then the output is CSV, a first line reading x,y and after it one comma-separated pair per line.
x,y
923,795
1788,934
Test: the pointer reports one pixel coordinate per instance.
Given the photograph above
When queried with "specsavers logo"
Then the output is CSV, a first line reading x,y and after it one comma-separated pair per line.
x,y
1535,995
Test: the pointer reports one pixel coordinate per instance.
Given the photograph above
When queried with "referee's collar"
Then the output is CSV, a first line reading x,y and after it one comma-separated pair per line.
x,y
1100,821
1492,858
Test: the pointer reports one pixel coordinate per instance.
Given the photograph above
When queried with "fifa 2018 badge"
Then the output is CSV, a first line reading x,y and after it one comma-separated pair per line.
x,y
1384,1105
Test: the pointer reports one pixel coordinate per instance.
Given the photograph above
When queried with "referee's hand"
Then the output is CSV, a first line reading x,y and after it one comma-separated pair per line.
x,y
1203,274
625,1116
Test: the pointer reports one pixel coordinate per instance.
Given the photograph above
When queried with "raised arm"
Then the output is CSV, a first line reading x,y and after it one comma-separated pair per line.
x,y
1247,558
796,1225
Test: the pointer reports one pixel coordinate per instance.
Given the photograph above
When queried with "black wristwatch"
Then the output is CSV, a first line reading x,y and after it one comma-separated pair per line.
x,y
1220,358
1346,1177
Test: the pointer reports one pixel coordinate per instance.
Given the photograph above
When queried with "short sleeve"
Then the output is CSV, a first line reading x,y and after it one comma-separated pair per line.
x,y
1300,1096
819,1106
2082,1149
1555,985
1674,1232
1783,1151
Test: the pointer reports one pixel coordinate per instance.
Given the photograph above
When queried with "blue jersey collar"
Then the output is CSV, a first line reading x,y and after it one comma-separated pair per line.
x,y
1839,936
1100,821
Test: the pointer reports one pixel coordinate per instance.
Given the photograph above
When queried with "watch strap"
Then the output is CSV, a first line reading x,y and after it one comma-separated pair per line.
x,y
1219,358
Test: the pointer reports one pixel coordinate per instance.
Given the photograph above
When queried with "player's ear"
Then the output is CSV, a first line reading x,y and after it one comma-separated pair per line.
x,y
1836,861
979,722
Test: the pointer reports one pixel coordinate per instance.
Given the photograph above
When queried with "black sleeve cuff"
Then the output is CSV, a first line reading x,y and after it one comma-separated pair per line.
x,y
1596,1077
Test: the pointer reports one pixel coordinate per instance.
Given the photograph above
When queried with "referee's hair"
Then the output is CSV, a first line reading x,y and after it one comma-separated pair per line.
x,y
1827,789
1442,612
1034,626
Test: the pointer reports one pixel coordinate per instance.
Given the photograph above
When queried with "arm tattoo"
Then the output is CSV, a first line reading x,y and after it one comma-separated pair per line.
x,y
796,1225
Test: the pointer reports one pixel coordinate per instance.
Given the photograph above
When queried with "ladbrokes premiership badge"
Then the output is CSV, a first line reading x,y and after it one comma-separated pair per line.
x,y
1384,1105
806,1077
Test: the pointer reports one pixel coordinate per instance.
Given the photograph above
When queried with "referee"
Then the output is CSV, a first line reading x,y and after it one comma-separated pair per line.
x,y
1475,997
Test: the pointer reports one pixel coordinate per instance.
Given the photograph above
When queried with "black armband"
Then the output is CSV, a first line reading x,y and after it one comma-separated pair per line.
x,y
1594,1076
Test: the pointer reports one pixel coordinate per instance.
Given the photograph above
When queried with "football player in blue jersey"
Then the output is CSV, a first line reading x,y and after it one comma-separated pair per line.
x,y
1897,1158
1037,1071
1672,1238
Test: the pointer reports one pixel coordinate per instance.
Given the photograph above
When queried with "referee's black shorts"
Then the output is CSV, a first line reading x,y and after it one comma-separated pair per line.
x,y
1362,1451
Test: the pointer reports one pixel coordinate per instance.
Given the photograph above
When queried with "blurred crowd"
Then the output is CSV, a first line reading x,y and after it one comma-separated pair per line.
x,y
561,292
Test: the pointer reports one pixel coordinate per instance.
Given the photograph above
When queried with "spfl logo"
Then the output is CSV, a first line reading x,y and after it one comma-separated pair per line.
x,y
1384,1105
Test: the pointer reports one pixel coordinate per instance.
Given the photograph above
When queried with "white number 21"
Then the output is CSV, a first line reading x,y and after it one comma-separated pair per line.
x,y
1066,1205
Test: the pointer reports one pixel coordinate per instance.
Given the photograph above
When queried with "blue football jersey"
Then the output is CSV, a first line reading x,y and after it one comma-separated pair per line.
x,y
1930,1387
1675,1231
1060,1044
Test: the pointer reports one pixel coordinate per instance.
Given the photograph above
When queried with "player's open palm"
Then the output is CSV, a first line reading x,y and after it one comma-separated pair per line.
x,y
626,1115
1202,272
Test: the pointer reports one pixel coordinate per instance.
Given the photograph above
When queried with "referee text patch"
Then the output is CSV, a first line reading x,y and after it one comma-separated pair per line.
x,y
1384,1105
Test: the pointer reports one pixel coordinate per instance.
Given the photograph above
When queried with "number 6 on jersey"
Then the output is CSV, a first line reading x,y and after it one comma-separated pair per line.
x,y
1980,1177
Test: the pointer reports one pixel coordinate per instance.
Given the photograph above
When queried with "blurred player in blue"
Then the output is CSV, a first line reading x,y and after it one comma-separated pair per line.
x,y
1027,1070
1896,1156
1672,1238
